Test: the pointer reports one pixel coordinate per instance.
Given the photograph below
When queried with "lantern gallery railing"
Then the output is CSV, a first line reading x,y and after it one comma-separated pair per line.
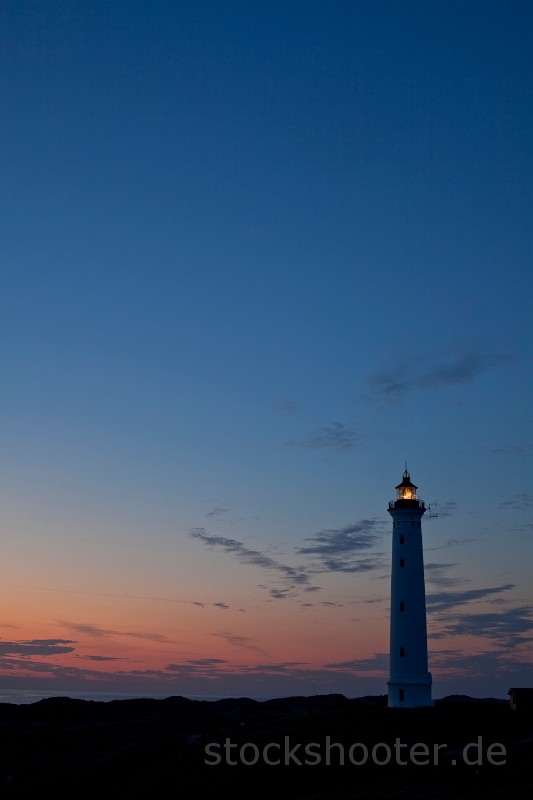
x,y
412,503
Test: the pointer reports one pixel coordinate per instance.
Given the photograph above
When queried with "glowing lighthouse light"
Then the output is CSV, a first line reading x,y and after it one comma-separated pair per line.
x,y
410,682
406,490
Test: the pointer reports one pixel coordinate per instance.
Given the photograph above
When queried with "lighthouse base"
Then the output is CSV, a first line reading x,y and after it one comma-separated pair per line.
x,y
414,693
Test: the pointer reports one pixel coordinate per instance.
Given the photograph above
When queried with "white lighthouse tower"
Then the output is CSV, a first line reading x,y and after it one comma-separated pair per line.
x,y
410,682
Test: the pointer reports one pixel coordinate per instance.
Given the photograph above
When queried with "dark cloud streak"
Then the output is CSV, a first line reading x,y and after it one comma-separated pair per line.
x,y
338,549
97,631
519,502
337,437
453,366
442,601
37,647
291,576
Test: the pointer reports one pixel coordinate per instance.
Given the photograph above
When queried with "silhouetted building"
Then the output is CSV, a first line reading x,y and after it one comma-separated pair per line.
x,y
521,699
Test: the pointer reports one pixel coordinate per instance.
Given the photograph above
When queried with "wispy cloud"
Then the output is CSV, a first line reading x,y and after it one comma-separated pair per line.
x,y
453,543
497,662
338,549
291,576
505,627
330,550
337,437
201,604
378,662
512,449
435,575
449,367
442,601
281,667
519,502
101,658
37,647
203,668
524,527
98,632
322,603
243,642
218,511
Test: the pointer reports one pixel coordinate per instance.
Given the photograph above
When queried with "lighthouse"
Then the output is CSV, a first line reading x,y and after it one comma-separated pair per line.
x,y
409,682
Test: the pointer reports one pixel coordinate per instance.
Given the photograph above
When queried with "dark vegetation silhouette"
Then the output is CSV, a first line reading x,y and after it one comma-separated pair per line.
x,y
157,748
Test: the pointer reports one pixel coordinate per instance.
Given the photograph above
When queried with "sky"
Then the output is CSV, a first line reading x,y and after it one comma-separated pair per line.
x,y
255,258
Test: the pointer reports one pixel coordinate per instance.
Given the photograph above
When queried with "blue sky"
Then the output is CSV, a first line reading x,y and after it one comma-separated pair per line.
x,y
254,257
